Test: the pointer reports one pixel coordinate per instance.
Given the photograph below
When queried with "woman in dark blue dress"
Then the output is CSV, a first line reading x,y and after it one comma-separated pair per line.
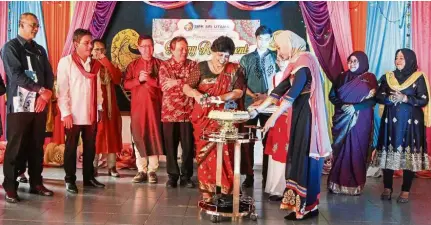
x,y
301,90
402,144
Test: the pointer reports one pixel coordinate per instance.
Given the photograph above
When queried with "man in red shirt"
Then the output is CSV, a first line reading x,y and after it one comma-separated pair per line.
x,y
142,80
176,111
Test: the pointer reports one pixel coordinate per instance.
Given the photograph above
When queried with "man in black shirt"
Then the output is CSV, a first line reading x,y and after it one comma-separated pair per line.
x,y
29,84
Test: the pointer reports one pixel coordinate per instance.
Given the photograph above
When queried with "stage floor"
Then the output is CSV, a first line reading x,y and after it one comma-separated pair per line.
x,y
122,202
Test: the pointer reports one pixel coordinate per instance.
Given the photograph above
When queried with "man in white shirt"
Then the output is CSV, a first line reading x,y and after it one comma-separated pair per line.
x,y
80,101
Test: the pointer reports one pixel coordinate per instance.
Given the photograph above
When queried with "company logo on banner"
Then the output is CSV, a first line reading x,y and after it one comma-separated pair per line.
x,y
200,34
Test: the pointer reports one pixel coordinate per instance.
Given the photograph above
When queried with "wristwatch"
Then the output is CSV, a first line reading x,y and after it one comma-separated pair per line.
x,y
41,90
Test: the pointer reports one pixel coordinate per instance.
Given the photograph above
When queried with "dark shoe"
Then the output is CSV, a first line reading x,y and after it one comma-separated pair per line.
x,y
402,199
11,197
275,198
152,178
22,179
113,172
171,183
188,183
41,190
248,182
311,214
140,177
386,196
292,215
93,183
71,188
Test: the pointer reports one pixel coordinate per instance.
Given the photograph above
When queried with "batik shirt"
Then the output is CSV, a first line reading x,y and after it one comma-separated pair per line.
x,y
176,106
258,72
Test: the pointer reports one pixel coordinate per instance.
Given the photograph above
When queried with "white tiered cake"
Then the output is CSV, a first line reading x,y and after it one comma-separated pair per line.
x,y
229,115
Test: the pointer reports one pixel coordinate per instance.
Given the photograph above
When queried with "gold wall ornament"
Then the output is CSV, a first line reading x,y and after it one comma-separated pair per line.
x,y
124,51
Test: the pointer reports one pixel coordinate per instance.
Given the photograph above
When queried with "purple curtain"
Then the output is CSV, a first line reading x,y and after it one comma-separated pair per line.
x,y
253,6
316,18
102,15
167,4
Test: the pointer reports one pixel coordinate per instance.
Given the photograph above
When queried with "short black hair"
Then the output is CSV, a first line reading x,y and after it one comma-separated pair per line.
x,y
79,33
175,40
145,37
223,44
97,40
263,30
25,15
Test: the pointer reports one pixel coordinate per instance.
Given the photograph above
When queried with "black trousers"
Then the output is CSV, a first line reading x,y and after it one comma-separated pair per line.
x,y
173,134
88,136
407,179
24,130
248,155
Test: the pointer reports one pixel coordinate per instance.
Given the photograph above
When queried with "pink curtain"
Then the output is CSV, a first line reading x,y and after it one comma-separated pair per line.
x,y
3,39
421,38
81,19
339,14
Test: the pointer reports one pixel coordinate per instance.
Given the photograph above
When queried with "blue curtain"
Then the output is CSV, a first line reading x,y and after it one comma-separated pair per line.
x,y
386,32
16,9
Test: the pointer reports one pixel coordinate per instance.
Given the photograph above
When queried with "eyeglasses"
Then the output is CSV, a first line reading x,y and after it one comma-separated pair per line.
x,y
145,46
85,43
32,25
352,62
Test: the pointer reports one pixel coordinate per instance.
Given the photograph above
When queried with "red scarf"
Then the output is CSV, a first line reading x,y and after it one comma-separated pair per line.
x,y
92,75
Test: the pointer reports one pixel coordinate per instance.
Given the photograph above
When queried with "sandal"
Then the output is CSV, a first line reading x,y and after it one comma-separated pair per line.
x,y
385,196
401,199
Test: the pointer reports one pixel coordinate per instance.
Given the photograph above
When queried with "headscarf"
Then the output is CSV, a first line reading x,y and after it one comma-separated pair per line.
x,y
410,67
348,75
294,46
289,43
362,60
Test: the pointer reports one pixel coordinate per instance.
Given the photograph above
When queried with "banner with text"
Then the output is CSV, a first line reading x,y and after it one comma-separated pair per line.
x,y
200,33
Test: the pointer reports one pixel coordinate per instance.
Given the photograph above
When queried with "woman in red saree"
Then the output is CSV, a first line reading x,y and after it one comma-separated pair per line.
x,y
210,80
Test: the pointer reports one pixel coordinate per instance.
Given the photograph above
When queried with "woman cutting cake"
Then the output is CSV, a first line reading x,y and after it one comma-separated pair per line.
x,y
213,80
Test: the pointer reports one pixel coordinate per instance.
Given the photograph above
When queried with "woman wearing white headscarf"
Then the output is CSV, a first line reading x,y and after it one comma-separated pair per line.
x,y
309,143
